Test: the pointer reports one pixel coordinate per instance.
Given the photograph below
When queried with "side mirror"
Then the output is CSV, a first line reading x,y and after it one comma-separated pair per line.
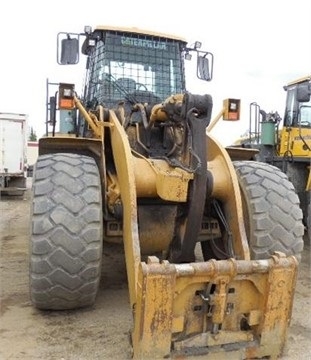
x,y
67,49
205,67
303,93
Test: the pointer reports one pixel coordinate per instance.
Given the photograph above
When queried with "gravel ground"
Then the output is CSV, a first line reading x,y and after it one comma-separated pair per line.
x,y
101,332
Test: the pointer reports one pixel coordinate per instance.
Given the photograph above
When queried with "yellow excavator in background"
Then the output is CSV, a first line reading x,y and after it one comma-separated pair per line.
x,y
286,143
211,245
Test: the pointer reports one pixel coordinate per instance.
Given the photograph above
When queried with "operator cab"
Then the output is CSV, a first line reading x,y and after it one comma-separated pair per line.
x,y
127,64
298,103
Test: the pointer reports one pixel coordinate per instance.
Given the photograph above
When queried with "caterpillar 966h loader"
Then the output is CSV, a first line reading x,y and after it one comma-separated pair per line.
x,y
211,245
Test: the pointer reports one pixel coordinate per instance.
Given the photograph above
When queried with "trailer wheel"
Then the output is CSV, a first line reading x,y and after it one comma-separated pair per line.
x,y
272,215
66,232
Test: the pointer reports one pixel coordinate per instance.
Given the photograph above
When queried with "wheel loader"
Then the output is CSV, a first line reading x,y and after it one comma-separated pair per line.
x,y
286,143
211,245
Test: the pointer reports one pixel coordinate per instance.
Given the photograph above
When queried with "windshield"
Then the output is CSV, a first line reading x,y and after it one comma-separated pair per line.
x,y
136,68
296,113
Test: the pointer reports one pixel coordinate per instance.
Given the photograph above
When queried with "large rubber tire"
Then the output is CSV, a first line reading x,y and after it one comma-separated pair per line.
x,y
272,215
66,232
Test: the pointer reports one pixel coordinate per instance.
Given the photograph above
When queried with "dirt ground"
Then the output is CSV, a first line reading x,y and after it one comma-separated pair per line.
x,y
101,332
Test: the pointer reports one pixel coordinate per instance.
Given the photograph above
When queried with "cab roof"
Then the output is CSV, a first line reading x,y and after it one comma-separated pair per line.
x,y
299,80
135,30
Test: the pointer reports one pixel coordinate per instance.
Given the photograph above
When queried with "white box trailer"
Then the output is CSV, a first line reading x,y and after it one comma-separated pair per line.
x,y
13,153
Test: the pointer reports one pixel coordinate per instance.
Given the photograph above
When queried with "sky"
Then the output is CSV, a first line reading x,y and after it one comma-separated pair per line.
x,y
258,46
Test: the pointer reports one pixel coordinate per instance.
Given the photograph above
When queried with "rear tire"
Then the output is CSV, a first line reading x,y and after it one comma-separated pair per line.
x,y
272,215
66,232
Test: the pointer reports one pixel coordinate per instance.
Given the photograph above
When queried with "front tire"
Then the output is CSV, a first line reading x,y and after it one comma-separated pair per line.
x,y
66,232
273,218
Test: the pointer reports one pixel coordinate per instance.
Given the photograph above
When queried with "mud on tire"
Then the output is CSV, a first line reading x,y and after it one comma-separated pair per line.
x,y
66,232
272,215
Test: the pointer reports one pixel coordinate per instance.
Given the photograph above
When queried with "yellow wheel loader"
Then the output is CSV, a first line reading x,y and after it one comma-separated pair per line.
x,y
211,245
286,143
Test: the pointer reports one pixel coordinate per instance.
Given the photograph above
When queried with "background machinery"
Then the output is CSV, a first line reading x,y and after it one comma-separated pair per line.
x,y
211,245
286,143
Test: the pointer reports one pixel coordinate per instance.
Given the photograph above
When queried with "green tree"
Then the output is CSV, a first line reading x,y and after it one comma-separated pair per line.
x,y
32,135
